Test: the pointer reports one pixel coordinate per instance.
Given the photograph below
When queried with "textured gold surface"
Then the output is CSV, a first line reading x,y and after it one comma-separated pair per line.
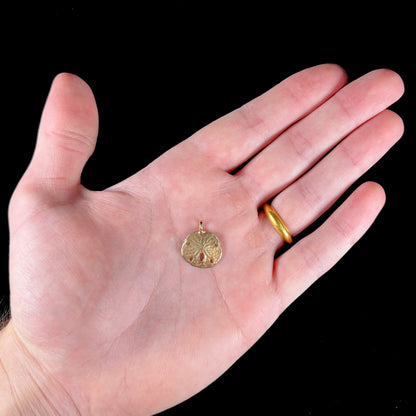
x,y
201,249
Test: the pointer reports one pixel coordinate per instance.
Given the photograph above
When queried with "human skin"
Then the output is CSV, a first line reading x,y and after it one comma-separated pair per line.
x,y
107,317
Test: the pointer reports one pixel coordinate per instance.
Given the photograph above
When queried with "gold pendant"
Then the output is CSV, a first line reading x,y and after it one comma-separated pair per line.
x,y
201,248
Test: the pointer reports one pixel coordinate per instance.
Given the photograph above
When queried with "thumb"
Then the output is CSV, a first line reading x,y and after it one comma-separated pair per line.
x,y
67,136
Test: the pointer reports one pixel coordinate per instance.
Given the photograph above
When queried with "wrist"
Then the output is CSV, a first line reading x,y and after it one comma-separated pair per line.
x,y
25,387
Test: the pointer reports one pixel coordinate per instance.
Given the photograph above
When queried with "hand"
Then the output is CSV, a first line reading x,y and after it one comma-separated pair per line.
x,y
101,298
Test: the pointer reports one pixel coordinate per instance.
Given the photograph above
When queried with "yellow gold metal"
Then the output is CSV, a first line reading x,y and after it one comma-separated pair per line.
x,y
201,248
277,223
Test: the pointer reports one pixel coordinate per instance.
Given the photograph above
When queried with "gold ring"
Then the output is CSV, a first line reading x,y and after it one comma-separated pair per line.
x,y
277,223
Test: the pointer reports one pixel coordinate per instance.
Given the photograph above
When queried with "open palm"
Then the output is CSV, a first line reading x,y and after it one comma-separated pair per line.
x,y
100,294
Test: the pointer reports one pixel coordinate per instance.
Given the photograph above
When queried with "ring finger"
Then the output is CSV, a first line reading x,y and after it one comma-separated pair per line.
x,y
311,195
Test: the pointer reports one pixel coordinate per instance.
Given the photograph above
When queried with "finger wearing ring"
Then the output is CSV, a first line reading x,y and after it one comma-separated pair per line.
x,y
277,223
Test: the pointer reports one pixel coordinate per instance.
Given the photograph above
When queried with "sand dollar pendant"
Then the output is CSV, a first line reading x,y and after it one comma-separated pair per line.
x,y
201,248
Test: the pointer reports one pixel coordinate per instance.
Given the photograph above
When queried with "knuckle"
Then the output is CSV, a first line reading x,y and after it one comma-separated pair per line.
x,y
71,140
250,118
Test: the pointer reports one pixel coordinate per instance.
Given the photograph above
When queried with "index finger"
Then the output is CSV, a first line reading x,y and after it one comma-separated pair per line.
x,y
237,136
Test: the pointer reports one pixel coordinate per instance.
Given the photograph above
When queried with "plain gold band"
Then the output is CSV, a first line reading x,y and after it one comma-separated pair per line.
x,y
277,223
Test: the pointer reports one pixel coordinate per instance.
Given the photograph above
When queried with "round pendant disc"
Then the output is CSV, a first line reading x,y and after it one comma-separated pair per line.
x,y
201,249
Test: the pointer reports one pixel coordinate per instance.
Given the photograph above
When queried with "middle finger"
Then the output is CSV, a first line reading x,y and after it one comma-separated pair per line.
x,y
301,146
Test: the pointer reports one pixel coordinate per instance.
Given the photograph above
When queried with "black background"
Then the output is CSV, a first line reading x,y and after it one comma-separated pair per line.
x,y
162,71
